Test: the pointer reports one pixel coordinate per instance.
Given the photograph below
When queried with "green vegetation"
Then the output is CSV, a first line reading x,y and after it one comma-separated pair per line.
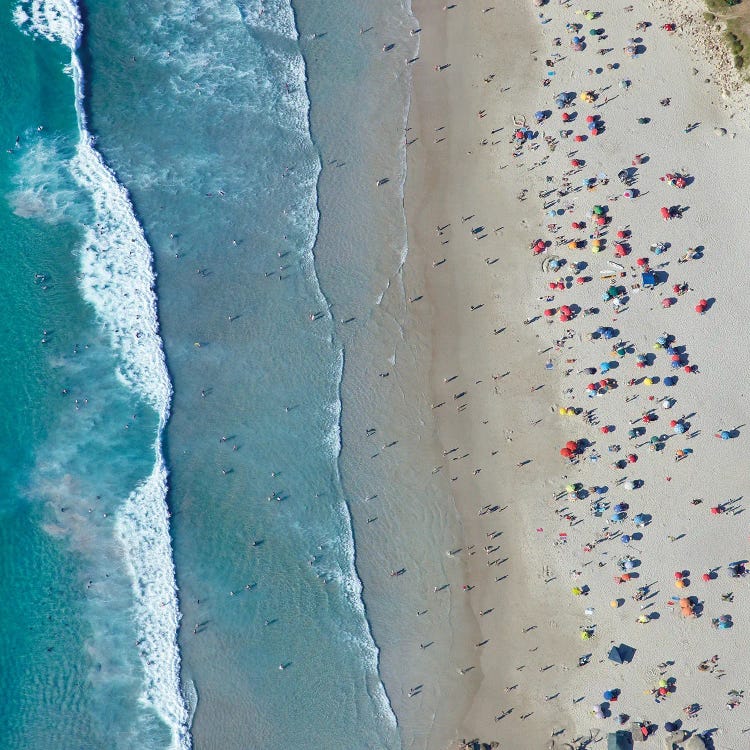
x,y
735,17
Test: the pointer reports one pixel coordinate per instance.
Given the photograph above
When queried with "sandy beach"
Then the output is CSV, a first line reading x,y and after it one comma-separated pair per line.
x,y
544,566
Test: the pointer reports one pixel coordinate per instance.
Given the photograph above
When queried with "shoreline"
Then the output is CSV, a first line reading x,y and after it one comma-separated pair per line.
x,y
501,423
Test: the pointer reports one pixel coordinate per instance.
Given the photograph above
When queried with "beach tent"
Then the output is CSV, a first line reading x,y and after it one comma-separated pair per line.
x,y
620,740
648,280
621,654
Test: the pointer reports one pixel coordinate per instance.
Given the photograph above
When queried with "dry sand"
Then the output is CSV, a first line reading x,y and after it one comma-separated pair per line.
x,y
497,403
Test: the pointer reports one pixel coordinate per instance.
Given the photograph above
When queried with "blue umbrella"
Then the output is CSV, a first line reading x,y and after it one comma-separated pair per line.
x,y
617,517
604,366
679,428
670,381
608,695
725,435
619,508
609,334
601,330
639,519
662,341
671,351
625,539
676,365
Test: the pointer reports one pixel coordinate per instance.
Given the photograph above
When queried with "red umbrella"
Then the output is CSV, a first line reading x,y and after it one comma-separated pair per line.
x,y
603,383
566,452
716,510
565,118
688,368
564,318
675,358
594,131
589,118
575,225
549,313
666,302
703,302
700,309
601,220
632,458
706,576
642,262
551,285
572,445
665,214
640,365
565,309
519,134
676,288
579,138
647,418
541,243
591,387
581,280
560,285
673,423
678,576
605,429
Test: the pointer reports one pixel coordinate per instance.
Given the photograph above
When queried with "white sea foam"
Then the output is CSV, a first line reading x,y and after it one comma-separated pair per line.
x,y
118,281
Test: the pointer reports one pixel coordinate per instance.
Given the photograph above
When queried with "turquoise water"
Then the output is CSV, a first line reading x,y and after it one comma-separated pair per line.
x,y
202,111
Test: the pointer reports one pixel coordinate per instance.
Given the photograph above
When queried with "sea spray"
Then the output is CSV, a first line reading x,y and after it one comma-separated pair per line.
x,y
118,280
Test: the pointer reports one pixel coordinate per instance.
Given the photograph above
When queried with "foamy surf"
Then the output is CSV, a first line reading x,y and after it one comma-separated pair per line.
x,y
118,281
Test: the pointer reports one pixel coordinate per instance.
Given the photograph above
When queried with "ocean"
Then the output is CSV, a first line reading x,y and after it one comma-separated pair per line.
x,y
203,284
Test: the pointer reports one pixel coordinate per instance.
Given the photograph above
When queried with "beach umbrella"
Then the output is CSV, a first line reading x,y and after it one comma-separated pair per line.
x,y
629,565
629,485
608,695
614,604
571,445
615,517
622,234
673,423
675,365
664,213
716,510
604,429
566,452
670,382
565,118
632,458
680,584
570,411
678,575
639,519
706,577
642,262
575,225
667,403
590,118
625,539
601,329
619,508
603,383
666,302
724,434
576,591
566,309
581,279
669,726
549,312
632,434
579,138
591,387
648,381
562,411
628,194
604,367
